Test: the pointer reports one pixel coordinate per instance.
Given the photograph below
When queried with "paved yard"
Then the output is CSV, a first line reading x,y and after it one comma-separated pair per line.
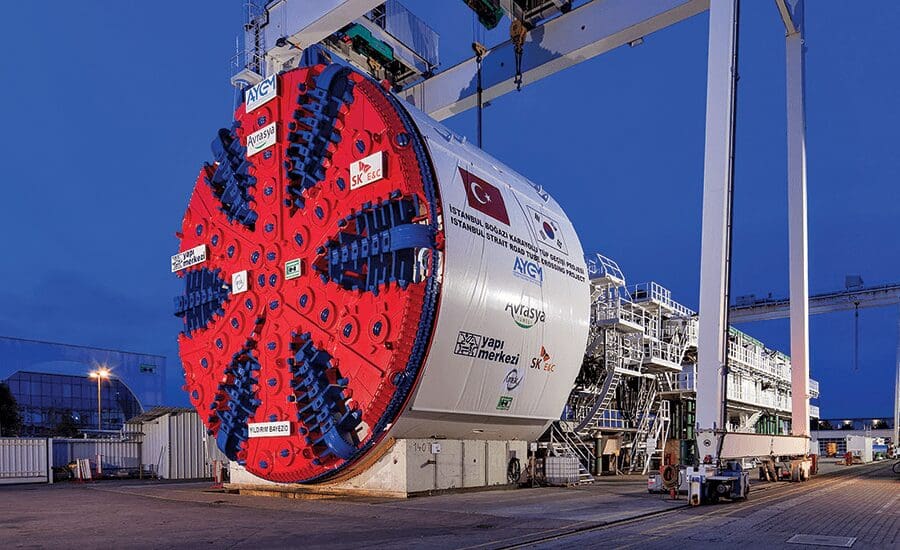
x,y
861,501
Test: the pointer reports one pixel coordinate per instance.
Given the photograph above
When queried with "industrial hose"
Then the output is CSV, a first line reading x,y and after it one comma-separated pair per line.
x,y
513,470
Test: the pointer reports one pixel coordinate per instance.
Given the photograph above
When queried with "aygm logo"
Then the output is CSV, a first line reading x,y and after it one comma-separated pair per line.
x,y
525,316
483,347
261,93
528,270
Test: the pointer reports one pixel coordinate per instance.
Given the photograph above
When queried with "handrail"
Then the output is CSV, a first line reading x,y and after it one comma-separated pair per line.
x,y
581,451
601,401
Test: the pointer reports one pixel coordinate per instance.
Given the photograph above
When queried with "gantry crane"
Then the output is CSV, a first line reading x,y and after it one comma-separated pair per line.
x,y
562,34
854,297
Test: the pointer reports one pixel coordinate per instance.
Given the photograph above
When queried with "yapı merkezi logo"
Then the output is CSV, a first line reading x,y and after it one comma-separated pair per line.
x,y
524,315
487,348
528,270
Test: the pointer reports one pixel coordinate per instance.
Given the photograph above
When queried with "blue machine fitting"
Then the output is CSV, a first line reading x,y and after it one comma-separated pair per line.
x,y
238,389
231,181
321,402
314,128
377,246
203,296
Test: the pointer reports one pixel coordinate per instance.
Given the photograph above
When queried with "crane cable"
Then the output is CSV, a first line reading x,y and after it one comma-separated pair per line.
x,y
517,33
479,50
856,337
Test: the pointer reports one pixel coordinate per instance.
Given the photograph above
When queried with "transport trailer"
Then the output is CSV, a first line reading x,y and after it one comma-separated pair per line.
x,y
708,484
723,474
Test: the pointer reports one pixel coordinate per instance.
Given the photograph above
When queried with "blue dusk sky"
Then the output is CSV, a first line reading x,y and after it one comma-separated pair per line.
x,y
111,106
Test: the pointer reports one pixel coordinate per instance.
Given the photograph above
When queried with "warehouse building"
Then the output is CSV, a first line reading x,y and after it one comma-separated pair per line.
x,y
52,384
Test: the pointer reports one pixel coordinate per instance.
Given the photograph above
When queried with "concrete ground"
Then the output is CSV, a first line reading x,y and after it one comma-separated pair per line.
x,y
860,501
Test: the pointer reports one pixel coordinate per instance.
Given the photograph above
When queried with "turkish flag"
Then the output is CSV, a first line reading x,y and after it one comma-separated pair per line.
x,y
484,197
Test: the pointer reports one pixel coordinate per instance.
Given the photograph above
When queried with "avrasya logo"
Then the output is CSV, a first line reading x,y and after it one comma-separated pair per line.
x,y
525,316
528,270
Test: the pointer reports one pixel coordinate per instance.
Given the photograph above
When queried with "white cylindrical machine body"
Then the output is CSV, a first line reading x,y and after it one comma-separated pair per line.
x,y
513,316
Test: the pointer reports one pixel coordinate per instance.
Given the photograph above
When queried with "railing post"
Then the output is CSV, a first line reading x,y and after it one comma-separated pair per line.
x,y
50,460
897,392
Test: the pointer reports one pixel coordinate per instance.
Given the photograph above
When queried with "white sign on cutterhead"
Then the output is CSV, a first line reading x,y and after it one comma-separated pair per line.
x,y
261,93
261,139
367,170
293,269
194,256
268,429
239,282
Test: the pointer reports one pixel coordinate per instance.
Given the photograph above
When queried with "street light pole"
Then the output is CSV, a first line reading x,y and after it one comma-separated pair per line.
x,y
99,406
99,375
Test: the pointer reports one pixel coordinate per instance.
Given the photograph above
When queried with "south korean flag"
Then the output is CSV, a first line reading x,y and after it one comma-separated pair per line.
x,y
548,230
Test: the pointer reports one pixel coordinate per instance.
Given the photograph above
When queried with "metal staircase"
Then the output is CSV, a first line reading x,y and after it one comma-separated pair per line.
x,y
642,353
647,404
659,434
668,382
588,411
638,332
563,444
